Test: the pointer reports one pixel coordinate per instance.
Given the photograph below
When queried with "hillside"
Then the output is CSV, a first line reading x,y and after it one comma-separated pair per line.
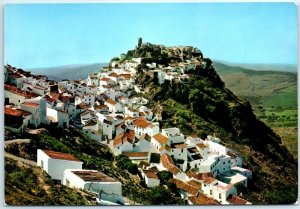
x,y
265,88
272,94
93,155
203,105
71,72
29,185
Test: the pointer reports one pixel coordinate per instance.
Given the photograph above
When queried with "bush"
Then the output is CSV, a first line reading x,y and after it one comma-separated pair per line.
x,y
164,176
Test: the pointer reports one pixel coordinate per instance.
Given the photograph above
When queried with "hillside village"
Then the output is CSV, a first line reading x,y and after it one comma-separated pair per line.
x,y
109,107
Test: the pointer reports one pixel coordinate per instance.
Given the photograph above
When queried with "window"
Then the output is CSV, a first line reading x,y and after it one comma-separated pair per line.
x,y
223,163
42,164
211,193
220,195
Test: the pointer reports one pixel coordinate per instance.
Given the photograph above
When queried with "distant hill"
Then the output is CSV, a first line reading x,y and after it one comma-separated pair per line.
x,y
266,88
262,67
71,72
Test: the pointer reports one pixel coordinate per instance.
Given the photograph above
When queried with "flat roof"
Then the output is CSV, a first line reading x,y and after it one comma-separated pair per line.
x,y
93,176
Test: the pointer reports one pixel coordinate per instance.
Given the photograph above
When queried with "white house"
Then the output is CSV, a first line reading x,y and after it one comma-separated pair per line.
x,y
174,135
16,120
34,109
218,190
150,178
159,141
113,106
55,163
124,142
16,96
142,126
168,164
94,181
59,117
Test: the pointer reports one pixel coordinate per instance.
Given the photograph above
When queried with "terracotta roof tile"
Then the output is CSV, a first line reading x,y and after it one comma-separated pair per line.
x,y
150,174
100,106
168,163
110,101
202,199
124,137
201,146
209,180
185,187
61,156
160,138
16,112
136,154
30,104
141,122
235,200
15,90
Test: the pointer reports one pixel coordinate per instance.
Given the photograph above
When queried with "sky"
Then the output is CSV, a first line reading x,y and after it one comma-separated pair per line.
x,y
48,35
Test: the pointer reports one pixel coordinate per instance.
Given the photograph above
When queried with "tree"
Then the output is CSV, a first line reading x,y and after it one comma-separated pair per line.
x,y
140,41
164,176
203,135
161,196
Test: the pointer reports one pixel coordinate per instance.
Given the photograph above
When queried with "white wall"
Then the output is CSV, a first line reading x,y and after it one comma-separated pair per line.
x,y
56,167
108,188
14,98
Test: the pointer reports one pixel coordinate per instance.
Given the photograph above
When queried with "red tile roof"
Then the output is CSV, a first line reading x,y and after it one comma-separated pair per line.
x,y
136,154
199,176
110,101
180,146
83,106
160,138
105,79
100,107
126,76
113,75
61,156
202,199
141,122
30,104
150,174
168,163
194,183
124,137
209,180
235,200
201,146
15,90
185,187
15,112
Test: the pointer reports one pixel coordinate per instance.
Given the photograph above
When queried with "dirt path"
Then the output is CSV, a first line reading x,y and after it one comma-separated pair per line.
x,y
19,159
16,141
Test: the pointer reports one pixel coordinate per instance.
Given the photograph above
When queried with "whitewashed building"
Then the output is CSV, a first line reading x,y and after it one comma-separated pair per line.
x,y
150,178
55,163
96,182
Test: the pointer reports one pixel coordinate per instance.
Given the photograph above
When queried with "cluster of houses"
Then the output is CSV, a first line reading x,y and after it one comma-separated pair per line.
x,y
104,106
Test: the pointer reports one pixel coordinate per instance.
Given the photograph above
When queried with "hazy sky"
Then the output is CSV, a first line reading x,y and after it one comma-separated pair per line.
x,y
46,35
